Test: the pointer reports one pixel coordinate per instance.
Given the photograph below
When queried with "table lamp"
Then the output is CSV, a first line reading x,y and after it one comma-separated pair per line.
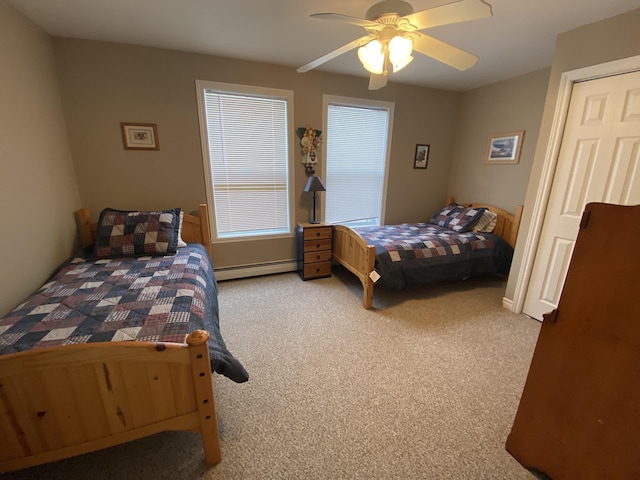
x,y
314,184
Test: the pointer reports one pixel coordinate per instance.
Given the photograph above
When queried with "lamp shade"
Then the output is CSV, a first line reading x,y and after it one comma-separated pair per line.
x,y
372,57
314,184
400,52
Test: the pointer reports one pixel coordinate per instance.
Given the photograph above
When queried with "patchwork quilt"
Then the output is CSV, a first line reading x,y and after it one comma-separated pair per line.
x,y
423,252
145,298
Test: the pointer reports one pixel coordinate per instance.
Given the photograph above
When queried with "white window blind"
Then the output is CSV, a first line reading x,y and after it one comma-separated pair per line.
x,y
248,160
357,139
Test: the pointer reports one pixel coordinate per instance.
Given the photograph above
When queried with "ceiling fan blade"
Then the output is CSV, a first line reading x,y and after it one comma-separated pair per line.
x,y
377,81
361,22
444,52
461,11
331,55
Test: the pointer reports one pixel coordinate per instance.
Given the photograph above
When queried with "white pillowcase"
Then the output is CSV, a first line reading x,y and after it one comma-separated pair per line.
x,y
487,222
181,242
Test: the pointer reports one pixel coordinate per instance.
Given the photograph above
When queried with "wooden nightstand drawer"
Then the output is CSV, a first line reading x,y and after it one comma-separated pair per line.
x,y
313,270
316,245
316,233
320,256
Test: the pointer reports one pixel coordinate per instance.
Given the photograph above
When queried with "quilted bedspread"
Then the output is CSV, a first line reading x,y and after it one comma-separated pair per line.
x,y
147,298
423,253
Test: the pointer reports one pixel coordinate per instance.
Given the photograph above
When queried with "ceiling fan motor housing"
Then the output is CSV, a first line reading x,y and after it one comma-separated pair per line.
x,y
399,7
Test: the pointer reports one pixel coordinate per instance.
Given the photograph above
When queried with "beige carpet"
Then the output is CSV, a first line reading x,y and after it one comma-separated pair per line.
x,y
424,386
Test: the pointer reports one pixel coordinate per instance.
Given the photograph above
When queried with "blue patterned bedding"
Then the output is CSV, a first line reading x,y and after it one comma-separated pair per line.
x,y
144,298
418,253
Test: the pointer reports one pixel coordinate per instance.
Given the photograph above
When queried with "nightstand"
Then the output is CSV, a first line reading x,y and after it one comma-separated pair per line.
x,y
314,250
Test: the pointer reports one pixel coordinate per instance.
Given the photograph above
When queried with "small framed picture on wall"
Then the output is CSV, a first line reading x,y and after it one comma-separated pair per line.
x,y
504,148
140,136
421,158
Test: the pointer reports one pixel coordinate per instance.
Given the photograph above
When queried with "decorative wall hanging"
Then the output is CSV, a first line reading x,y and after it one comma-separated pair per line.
x,y
140,136
309,141
421,157
504,148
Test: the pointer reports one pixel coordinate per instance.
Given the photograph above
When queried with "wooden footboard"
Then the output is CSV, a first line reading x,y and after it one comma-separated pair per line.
x,y
63,401
351,251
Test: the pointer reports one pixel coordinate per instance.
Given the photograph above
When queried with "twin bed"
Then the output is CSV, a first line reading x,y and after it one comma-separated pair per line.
x,y
71,381
444,248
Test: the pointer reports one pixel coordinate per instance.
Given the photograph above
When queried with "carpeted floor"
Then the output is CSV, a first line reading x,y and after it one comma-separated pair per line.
x,y
424,386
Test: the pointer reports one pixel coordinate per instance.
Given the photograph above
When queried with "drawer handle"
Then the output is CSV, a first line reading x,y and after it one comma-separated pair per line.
x,y
317,257
318,246
317,270
317,234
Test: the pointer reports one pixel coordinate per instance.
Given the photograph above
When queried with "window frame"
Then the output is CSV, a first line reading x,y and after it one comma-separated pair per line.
x,y
361,103
255,91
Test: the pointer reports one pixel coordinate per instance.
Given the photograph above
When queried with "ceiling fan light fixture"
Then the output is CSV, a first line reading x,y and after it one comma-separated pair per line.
x,y
372,56
400,65
393,33
400,52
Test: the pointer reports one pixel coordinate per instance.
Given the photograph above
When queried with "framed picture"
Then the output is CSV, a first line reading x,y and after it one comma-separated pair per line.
x,y
421,158
140,136
504,148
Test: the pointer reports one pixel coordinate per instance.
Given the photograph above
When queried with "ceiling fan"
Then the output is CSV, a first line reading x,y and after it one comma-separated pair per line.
x,y
393,33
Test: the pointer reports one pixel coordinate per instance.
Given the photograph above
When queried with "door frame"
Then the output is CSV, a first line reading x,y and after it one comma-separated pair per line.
x,y
616,67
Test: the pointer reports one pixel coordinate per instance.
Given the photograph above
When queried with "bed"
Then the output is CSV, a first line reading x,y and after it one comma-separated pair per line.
x,y
399,255
71,379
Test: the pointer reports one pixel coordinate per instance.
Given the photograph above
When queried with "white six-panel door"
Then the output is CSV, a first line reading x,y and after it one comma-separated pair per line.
x,y
599,161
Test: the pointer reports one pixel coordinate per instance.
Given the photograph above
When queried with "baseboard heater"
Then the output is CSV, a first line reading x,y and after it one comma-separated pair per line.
x,y
255,269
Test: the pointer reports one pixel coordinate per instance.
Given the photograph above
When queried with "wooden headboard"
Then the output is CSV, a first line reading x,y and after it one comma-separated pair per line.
x,y
507,225
194,229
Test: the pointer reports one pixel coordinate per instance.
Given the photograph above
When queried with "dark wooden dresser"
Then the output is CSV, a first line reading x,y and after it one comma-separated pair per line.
x,y
579,415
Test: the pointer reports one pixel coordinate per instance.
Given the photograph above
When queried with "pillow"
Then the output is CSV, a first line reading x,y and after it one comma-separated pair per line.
x,y
487,222
463,219
122,233
443,216
181,242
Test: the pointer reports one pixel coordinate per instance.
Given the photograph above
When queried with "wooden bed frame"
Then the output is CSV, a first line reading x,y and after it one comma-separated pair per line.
x,y
352,251
59,402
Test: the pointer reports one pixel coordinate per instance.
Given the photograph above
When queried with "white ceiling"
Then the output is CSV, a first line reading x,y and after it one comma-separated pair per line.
x,y
518,38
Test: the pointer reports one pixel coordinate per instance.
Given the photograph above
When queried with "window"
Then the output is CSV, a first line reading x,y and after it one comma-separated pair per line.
x,y
245,143
357,144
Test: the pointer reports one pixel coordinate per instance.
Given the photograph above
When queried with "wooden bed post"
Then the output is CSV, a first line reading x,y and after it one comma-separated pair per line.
x,y
204,229
368,283
515,226
203,383
85,228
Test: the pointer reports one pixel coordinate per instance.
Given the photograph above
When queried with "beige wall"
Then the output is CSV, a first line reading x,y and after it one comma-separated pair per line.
x,y
104,84
604,41
514,104
38,190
